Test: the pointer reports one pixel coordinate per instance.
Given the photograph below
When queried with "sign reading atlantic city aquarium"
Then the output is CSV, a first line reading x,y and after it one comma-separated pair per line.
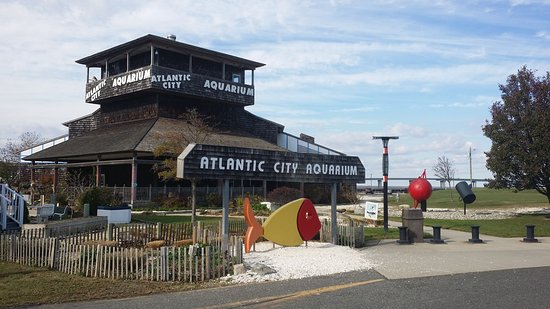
x,y
208,161
155,77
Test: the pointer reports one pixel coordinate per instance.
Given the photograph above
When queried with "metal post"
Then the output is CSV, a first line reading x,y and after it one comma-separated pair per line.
x,y
334,222
530,237
133,180
225,215
437,235
470,157
403,235
385,169
475,235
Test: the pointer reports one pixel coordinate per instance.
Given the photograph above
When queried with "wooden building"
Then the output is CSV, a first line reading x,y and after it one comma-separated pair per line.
x,y
142,88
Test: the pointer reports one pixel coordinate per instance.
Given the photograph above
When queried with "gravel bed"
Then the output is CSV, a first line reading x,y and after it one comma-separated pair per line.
x,y
475,214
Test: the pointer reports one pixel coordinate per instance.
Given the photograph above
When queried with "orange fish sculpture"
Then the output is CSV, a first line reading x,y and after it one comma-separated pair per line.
x,y
290,225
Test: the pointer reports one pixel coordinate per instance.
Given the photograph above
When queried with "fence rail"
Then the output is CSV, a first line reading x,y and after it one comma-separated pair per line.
x,y
125,251
151,194
93,255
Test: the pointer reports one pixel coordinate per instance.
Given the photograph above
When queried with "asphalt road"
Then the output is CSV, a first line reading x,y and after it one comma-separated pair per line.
x,y
498,273
516,288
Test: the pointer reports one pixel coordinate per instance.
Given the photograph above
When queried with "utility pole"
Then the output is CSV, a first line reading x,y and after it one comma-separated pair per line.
x,y
470,158
385,169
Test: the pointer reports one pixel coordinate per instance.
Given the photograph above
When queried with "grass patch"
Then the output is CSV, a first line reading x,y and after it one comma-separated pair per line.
x,y
377,233
485,198
512,227
24,286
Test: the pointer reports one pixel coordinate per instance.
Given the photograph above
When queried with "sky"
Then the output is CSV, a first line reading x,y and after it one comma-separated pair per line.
x,y
341,71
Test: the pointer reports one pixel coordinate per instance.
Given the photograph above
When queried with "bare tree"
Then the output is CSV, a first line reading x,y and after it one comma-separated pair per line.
x,y
10,155
197,129
444,169
76,183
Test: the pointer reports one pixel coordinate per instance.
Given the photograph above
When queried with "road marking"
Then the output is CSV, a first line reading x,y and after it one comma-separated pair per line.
x,y
272,300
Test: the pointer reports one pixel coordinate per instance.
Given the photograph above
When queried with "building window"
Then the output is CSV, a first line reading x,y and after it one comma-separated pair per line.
x,y
236,78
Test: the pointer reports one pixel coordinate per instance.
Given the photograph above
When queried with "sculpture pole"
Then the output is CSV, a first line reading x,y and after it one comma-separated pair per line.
x,y
385,169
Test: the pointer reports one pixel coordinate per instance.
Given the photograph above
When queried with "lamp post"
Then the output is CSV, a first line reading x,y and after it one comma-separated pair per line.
x,y
385,168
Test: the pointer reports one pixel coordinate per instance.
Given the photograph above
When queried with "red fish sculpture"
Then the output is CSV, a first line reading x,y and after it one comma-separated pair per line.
x,y
290,225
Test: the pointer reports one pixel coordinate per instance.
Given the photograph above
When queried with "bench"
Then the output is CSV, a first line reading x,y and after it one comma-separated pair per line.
x,y
60,212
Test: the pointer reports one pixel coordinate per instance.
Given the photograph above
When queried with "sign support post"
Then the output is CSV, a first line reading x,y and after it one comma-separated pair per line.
x,y
333,221
225,215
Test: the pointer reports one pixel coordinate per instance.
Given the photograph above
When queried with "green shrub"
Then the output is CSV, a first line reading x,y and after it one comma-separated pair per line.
x,y
317,193
213,199
258,208
96,196
283,195
173,202
62,199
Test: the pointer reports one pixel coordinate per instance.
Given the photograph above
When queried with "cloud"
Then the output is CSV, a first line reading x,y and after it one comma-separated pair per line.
x,y
528,2
543,35
476,102
401,129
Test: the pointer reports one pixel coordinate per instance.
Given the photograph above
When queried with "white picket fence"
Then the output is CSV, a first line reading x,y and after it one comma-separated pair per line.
x,y
194,263
349,233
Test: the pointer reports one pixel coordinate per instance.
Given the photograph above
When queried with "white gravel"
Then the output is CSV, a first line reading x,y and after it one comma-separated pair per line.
x,y
281,263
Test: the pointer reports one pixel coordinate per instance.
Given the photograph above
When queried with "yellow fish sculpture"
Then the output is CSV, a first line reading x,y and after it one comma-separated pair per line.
x,y
290,225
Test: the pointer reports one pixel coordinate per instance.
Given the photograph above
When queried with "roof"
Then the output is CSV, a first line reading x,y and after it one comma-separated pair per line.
x,y
121,140
98,59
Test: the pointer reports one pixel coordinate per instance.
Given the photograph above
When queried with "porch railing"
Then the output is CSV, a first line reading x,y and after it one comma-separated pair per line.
x,y
12,207
153,194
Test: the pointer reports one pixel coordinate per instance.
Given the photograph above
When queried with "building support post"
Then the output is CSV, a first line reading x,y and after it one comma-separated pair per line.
x,y
98,172
133,188
333,221
32,183
53,198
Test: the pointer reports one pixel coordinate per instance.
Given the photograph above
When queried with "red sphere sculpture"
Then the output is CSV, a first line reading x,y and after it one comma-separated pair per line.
x,y
420,189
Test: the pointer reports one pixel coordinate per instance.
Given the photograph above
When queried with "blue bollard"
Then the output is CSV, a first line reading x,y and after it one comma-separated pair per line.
x,y
475,235
437,235
403,235
530,234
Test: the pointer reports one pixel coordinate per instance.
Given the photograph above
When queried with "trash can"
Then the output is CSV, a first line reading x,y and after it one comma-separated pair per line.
x,y
86,210
465,192
413,219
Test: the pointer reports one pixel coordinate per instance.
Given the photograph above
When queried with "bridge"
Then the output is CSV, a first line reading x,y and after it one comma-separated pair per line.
x,y
378,186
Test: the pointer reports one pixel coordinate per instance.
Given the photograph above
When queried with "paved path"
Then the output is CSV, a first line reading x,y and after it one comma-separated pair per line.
x,y
469,264
456,255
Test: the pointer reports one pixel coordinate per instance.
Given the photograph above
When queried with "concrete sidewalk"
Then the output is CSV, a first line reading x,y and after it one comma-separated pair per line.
x,y
456,255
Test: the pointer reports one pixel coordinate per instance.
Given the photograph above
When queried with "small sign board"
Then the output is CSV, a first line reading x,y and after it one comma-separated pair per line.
x,y
371,210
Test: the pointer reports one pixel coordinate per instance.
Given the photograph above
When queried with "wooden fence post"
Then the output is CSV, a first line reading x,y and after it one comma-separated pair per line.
x,y
54,248
110,229
159,231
